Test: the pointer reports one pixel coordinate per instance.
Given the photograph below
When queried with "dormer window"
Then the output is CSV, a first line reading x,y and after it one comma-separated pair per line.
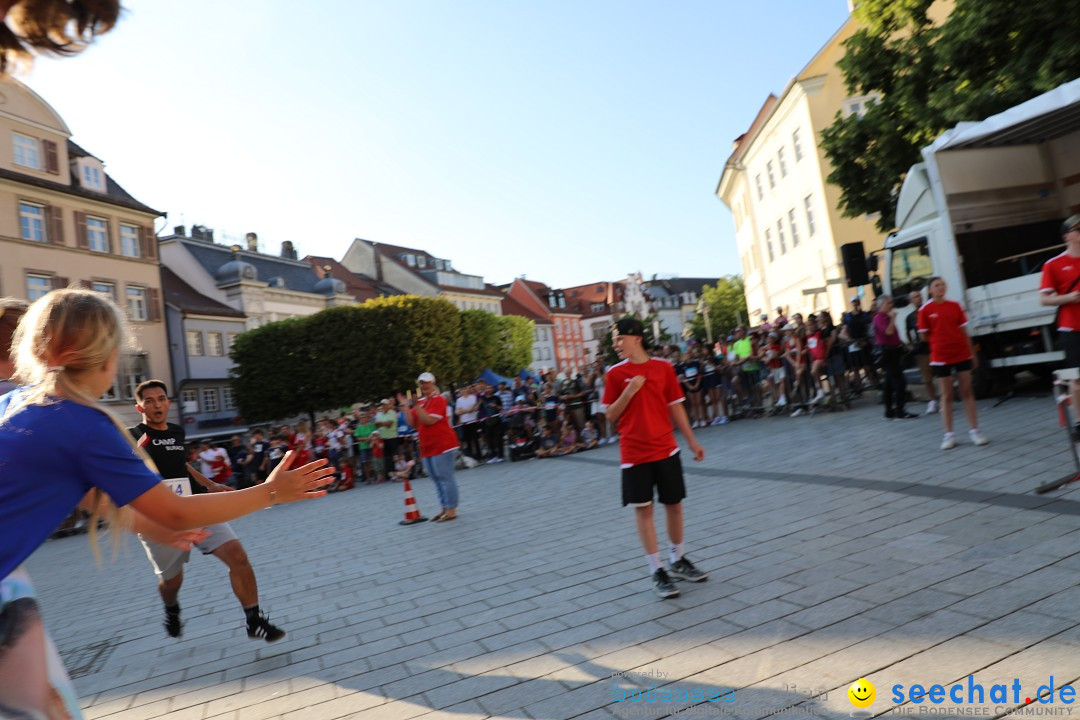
x,y
410,260
92,178
90,173
421,261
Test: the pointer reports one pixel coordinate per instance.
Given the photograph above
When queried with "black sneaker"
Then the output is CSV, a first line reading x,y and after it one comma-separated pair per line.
x,y
262,628
173,626
662,584
905,415
683,569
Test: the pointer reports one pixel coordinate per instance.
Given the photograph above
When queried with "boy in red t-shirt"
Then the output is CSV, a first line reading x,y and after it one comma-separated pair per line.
x,y
1060,287
643,398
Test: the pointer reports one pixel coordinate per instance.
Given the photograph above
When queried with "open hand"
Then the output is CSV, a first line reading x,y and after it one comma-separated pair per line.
x,y
636,382
302,483
184,539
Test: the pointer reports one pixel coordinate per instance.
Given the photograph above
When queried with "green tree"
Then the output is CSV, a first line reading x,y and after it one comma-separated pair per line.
x,y
515,347
267,378
987,56
727,308
479,343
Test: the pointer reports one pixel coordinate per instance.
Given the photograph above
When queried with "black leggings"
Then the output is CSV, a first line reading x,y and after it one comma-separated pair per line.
x,y
471,437
493,434
895,386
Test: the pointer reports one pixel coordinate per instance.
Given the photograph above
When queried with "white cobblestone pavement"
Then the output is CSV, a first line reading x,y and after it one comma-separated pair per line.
x,y
838,547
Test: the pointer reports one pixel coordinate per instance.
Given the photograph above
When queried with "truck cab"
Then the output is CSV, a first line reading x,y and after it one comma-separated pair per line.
x,y
983,211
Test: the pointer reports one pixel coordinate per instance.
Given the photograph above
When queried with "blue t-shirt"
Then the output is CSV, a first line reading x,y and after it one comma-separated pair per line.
x,y
50,457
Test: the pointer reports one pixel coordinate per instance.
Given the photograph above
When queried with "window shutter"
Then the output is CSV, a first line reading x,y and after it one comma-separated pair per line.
x,y
59,283
148,242
56,224
52,158
81,237
153,301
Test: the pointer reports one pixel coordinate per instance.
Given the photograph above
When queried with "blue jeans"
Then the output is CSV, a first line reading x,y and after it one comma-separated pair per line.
x,y
441,470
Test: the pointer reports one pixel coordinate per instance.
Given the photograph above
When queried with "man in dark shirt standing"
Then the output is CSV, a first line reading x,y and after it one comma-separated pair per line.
x,y
164,442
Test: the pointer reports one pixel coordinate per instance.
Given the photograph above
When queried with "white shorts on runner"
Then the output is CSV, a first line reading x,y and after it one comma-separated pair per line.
x,y
168,561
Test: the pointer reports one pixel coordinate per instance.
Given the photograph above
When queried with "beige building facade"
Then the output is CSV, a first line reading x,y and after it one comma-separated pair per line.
x,y
788,224
65,222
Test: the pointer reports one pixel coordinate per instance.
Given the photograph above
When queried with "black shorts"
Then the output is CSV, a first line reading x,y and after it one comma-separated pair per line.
x,y
1070,343
944,371
665,475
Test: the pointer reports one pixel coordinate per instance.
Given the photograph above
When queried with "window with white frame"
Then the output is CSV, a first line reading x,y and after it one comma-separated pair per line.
x,y
189,400
227,401
92,178
209,400
780,236
772,175
859,104
97,234
760,190
32,221
794,228
105,288
410,260
129,240
137,304
215,344
796,143
136,370
37,285
421,261
27,151
809,205
782,162
194,342
768,244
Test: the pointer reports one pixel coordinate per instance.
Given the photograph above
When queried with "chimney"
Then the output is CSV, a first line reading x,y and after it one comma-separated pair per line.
x,y
180,230
287,250
252,242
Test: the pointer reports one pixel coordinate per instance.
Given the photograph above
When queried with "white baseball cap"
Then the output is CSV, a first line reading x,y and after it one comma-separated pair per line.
x,y
426,377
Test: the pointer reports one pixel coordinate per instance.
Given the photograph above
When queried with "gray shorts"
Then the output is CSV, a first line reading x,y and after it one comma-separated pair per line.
x,y
168,561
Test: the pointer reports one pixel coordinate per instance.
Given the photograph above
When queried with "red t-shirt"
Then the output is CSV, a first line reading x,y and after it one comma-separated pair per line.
x,y
794,349
815,343
942,324
439,437
1059,274
645,428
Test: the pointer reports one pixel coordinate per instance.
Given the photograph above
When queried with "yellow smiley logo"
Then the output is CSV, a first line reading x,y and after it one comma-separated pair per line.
x,y
861,693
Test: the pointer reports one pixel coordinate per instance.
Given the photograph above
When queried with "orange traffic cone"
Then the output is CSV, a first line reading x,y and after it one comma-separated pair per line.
x,y
412,514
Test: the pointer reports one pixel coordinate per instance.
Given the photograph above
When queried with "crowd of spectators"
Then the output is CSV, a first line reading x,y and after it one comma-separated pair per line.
x,y
784,365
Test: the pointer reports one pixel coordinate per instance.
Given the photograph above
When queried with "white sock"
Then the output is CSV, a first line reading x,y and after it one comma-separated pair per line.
x,y
676,553
949,435
654,562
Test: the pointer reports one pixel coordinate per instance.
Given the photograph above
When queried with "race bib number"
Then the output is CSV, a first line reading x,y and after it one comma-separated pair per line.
x,y
853,347
180,486
811,342
690,373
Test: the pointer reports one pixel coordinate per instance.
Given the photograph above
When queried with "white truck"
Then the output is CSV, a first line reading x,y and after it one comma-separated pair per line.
x,y
984,210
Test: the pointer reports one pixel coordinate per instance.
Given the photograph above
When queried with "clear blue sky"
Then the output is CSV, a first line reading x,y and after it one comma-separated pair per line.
x,y
570,141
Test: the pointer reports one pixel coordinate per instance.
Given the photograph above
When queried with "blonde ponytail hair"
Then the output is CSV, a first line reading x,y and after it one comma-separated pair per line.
x,y
63,335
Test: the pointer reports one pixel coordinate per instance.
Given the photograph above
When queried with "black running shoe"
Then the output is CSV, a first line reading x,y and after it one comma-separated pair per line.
x,y
683,569
173,626
662,584
262,628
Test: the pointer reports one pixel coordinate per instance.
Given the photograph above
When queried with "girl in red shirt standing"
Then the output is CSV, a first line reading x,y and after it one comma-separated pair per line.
x,y
942,322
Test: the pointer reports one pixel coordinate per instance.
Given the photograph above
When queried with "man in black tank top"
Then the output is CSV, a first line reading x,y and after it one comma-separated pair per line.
x,y
164,442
